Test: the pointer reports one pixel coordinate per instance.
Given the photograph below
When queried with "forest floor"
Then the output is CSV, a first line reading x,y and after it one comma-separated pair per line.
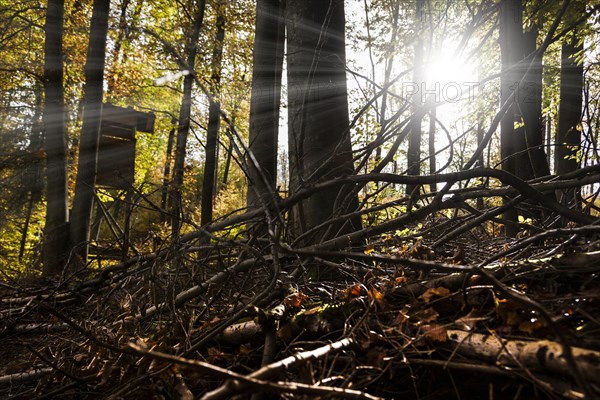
x,y
481,317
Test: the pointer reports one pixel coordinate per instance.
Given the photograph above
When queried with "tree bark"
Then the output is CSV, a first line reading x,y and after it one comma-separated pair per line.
x,y
265,100
319,137
414,139
532,108
167,171
511,33
55,230
214,118
568,135
183,128
90,134
431,144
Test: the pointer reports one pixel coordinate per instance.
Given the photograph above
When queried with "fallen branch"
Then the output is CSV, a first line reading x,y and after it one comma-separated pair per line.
x,y
279,387
272,370
541,355
23,377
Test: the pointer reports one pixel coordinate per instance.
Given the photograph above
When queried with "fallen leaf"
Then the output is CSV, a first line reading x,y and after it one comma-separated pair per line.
x,y
433,292
427,315
435,332
355,291
295,299
376,295
469,321
531,325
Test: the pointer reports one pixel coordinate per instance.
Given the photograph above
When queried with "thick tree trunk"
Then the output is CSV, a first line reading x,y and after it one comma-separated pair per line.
x,y
414,139
319,137
265,101
90,134
183,129
55,231
214,118
511,33
568,136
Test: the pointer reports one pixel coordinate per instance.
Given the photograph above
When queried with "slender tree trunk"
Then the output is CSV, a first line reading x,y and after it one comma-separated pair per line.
x,y
480,160
431,143
167,171
414,140
227,165
90,134
265,100
183,129
511,32
389,63
568,135
214,118
319,138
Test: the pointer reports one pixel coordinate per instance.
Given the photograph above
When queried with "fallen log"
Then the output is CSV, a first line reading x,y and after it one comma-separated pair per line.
x,y
540,355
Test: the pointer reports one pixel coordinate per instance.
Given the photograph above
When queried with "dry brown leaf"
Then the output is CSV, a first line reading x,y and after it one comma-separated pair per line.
x,y
531,325
435,332
402,317
469,321
433,292
427,315
295,299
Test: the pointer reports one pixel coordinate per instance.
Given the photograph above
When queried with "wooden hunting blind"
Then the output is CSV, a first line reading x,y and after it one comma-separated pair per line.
x,y
116,150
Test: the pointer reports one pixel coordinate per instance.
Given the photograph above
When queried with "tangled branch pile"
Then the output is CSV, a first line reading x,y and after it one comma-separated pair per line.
x,y
429,304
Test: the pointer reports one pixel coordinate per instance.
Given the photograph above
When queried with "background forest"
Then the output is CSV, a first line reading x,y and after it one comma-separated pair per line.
x,y
237,181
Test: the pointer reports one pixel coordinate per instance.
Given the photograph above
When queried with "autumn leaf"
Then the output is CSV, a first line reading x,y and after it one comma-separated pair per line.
x,y
427,315
433,292
376,295
369,249
400,280
469,321
435,332
354,291
531,325
295,299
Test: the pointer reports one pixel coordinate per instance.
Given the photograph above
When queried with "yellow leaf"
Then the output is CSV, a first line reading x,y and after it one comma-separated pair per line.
x,y
377,296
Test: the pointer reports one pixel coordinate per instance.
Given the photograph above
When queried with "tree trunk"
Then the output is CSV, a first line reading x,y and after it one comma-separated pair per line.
x,y
265,100
167,171
214,118
414,139
531,105
389,63
431,143
55,231
568,136
319,137
511,32
183,129
90,133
